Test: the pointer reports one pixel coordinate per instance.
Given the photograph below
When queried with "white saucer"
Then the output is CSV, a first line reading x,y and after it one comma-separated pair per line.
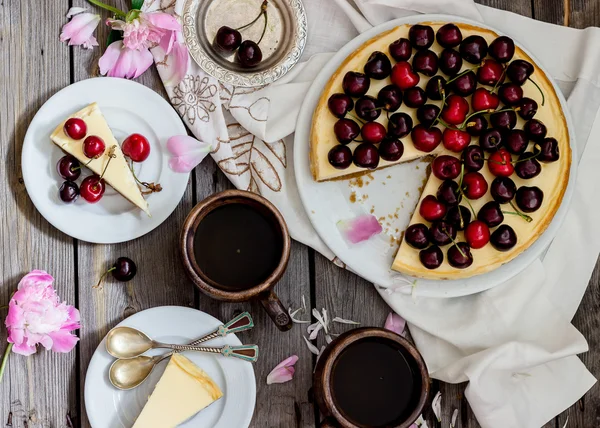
x,y
108,407
129,108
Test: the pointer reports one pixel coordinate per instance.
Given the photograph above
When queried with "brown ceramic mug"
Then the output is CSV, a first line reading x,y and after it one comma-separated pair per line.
x,y
323,378
262,291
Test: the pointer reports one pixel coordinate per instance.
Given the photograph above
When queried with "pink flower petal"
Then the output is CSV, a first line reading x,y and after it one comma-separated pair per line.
x,y
119,61
283,372
163,20
75,11
359,228
177,58
24,349
187,152
79,31
63,341
395,323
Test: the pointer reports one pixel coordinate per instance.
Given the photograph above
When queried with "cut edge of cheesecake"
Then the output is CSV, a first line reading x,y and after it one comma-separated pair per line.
x,y
118,170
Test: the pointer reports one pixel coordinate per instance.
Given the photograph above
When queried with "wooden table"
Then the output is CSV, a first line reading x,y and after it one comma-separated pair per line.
x,y
46,390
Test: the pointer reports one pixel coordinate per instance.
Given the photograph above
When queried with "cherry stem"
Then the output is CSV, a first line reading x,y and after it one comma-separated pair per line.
x,y
462,174
528,158
111,155
525,217
454,242
103,276
539,89
499,80
462,74
153,187
265,27
114,10
263,9
443,92
356,118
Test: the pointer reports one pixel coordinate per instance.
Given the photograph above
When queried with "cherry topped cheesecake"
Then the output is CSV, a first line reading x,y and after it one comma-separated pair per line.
x,y
486,115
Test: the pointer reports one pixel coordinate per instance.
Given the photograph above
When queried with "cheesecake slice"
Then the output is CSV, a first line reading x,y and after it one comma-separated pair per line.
x,y
183,390
118,174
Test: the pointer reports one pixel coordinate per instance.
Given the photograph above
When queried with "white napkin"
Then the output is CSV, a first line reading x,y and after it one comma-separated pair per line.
x,y
514,343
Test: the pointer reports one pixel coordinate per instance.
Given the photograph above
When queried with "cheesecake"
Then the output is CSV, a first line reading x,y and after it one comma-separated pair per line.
x,y
117,173
183,390
531,161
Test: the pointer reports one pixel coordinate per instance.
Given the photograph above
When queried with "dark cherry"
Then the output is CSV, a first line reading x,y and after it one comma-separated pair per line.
x,y
491,140
502,49
68,168
340,104
473,158
477,125
399,125
503,189
415,97
510,94
547,150
529,199
92,188
477,234
367,108
491,214
535,130
503,120
75,128
366,156
124,269
442,233
449,35
527,166
450,62
68,192
464,85
391,149
378,66
417,236
474,49
448,193
401,50
421,36
390,97
356,84
516,141
490,73
340,156
435,88
474,185
519,71
346,130
249,54
427,114
527,108
459,256
431,257
431,209
373,132
504,238
228,39
446,167
459,217
426,139
425,62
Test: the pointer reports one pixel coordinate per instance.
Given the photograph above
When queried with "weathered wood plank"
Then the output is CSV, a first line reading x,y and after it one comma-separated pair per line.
x,y
41,390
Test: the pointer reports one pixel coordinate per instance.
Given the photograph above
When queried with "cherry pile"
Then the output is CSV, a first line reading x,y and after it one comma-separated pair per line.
x,y
479,110
92,187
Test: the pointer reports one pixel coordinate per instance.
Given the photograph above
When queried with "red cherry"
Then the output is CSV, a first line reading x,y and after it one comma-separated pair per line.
x,y
477,234
456,110
403,76
456,140
75,128
373,132
426,139
93,147
490,73
446,167
483,99
474,185
499,163
92,188
137,147
431,209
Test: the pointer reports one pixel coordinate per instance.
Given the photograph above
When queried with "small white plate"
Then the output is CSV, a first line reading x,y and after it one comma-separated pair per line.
x,y
108,407
391,194
129,108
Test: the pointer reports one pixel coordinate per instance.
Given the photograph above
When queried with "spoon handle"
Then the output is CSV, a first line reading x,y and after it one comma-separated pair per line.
x,y
240,323
244,352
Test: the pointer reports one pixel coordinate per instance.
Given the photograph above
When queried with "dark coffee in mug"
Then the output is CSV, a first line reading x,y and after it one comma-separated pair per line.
x,y
376,383
237,246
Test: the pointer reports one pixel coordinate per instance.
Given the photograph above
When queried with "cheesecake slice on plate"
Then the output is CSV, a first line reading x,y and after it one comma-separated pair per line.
x,y
118,174
183,390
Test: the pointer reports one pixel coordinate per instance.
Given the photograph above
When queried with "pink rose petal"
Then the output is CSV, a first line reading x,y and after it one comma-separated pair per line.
x,y
283,372
187,152
359,228
395,323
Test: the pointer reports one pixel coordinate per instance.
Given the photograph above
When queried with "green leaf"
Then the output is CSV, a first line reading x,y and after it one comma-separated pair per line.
x,y
113,36
137,4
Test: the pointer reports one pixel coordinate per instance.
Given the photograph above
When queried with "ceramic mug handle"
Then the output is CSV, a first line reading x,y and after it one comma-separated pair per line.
x,y
329,422
276,310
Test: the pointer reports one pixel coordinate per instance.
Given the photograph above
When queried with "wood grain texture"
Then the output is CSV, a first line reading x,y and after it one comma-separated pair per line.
x,y
40,390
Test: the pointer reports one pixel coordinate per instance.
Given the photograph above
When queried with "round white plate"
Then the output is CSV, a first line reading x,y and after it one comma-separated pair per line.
x,y
108,407
128,108
391,194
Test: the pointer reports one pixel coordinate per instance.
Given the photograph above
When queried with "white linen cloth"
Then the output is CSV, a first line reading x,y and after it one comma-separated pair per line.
x,y
514,343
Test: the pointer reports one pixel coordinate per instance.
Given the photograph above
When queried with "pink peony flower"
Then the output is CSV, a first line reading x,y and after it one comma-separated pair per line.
x,y
283,372
79,31
35,316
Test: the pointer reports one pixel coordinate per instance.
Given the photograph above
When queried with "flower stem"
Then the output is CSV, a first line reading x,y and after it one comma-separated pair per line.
x,y
114,10
5,360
